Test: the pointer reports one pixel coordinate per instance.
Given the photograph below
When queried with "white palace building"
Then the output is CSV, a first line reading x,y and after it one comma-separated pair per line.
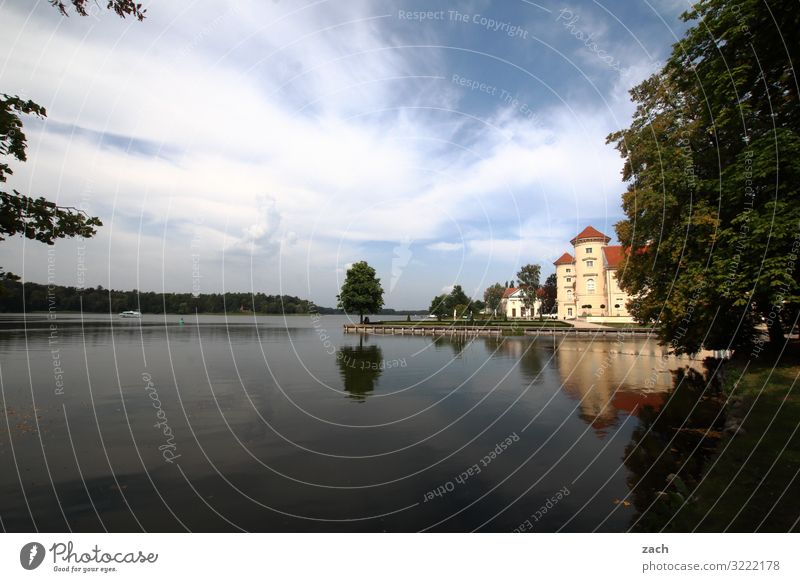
x,y
587,279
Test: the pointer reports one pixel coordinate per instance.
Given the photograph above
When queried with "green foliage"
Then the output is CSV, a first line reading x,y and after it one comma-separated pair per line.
x,y
457,297
361,292
550,294
439,307
712,161
494,296
528,279
18,298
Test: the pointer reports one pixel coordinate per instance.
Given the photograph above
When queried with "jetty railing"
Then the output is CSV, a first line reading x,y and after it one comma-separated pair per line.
x,y
496,330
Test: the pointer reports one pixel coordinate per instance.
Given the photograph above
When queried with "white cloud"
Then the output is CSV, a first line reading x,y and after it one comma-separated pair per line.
x,y
361,146
445,247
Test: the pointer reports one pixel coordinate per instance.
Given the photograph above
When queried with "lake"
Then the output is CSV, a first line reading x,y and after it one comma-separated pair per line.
x,y
287,424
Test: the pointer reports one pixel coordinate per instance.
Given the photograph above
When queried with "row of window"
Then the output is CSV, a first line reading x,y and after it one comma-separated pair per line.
x,y
590,286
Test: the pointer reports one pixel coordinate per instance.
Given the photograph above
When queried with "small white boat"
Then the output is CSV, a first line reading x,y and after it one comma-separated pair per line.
x,y
136,314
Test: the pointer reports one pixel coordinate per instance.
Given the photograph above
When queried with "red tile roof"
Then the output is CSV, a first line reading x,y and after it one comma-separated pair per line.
x,y
590,232
614,255
510,291
565,259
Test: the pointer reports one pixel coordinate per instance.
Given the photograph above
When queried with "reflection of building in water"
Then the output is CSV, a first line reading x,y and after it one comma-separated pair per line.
x,y
611,381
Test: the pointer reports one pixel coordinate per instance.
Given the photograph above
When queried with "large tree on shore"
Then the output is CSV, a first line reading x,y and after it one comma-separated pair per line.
x,y
712,161
550,295
493,296
528,280
361,292
36,217
439,307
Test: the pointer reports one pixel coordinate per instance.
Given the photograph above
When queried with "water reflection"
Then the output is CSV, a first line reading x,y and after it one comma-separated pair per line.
x,y
360,367
250,403
669,449
611,381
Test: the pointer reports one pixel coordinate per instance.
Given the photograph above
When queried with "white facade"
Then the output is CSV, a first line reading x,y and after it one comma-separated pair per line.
x,y
514,307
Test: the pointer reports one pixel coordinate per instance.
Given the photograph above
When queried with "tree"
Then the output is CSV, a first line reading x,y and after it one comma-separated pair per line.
x,y
361,292
549,298
493,296
457,297
439,307
528,277
34,218
38,218
712,161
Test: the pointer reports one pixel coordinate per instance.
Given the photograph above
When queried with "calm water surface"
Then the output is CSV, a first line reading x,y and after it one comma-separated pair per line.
x,y
287,424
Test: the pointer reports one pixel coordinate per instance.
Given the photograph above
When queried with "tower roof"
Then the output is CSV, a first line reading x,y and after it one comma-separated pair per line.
x,y
590,232
565,259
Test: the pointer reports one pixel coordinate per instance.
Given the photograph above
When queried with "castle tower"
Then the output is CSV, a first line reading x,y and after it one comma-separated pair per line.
x,y
590,277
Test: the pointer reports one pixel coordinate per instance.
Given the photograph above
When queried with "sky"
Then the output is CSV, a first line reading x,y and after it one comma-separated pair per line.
x,y
265,146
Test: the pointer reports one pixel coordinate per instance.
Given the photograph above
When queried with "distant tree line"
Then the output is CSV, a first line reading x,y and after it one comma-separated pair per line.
x,y
16,297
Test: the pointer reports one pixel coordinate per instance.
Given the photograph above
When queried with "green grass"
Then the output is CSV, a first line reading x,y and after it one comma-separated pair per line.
x,y
753,476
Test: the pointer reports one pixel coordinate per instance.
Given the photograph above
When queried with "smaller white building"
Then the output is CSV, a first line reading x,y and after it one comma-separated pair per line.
x,y
513,305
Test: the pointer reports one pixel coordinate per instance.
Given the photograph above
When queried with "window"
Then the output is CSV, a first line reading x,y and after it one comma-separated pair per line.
x,y
590,263
569,311
569,279
588,250
569,270
590,285
569,294
513,313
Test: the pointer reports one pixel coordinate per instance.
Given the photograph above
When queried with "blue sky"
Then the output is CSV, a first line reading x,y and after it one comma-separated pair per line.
x,y
270,144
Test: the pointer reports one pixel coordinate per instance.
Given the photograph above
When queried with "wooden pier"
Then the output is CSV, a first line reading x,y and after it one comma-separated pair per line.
x,y
492,330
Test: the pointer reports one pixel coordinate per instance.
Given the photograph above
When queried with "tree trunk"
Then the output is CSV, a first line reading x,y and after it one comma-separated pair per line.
x,y
775,329
360,318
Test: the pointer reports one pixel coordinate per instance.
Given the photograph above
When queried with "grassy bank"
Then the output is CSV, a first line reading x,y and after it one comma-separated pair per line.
x,y
752,481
